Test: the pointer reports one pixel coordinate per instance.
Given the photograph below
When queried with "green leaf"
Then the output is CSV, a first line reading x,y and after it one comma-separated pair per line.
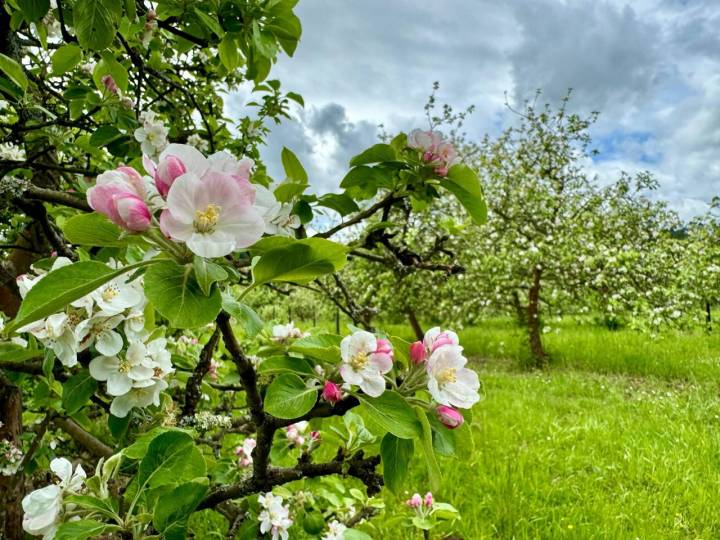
x,y
14,71
64,285
118,426
77,391
177,296
229,54
104,506
171,458
325,347
354,534
396,454
173,510
65,58
211,22
95,229
377,153
363,182
287,191
392,414
93,24
464,183
12,352
83,529
247,318
108,65
293,168
280,364
288,397
431,463
207,273
340,202
34,10
300,261
104,135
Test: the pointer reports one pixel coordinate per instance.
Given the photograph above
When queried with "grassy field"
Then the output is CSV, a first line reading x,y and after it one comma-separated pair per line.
x,y
619,439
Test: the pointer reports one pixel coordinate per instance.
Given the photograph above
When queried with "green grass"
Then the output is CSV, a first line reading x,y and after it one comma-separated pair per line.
x,y
619,439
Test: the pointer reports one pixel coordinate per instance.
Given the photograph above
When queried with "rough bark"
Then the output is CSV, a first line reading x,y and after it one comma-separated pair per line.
x,y
537,351
415,324
10,486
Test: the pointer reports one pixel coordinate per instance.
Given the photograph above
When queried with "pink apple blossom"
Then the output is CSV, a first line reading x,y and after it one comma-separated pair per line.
x,y
415,501
428,500
417,352
384,347
119,194
168,169
362,364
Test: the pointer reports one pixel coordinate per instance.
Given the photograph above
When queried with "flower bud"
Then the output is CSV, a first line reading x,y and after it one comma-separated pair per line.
x,y
384,347
442,339
417,352
133,212
109,83
331,392
168,170
151,15
449,417
428,499
415,501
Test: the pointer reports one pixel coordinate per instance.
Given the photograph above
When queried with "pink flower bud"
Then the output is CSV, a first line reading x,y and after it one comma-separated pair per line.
x,y
109,83
315,435
449,417
415,501
441,171
151,15
331,392
168,170
417,352
134,213
442,339
428,499
384,347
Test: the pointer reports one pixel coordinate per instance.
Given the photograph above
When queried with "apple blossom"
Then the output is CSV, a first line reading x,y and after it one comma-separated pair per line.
x,y
274,518
278,217
362,364
213,215
152,135
449,417
282,333
449,382
425,141
99,330
116,296
135,369
57,332
120,195
168,169
336,531
244,452
435,337
384,347
142,396
415,501
294,433
198,142
331,392
428,499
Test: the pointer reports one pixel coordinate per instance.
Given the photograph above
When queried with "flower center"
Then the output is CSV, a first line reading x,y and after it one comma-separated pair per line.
x,y
157,372
358,362
110,292
124,366
447,376
205,221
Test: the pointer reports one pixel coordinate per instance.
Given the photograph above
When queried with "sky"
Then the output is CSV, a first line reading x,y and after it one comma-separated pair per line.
x,y
650,67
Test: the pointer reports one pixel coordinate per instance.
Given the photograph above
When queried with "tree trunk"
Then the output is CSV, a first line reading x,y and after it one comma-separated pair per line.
x,y
537,350
415,324
708,316
11,487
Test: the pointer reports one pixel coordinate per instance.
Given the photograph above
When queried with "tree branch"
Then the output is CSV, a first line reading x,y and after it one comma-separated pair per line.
x,y
83,438
192,388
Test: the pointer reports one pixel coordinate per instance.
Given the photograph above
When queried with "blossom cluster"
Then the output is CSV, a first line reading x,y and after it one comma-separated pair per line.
x,y
297,435
275,517
284,333
135,374
10,457
43,508
436,152
208,204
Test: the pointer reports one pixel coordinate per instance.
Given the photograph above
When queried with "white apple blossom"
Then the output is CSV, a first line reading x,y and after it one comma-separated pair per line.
x,y
116,296
274,518
152,135
134,369
43,507
449,381
336,531
362,364
57,332
278,217
196,141
138,397
100,330
283,333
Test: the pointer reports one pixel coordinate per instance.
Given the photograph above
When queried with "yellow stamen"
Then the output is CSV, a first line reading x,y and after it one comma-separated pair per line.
x,y
358,362
110,292
205,221
447,376
124,366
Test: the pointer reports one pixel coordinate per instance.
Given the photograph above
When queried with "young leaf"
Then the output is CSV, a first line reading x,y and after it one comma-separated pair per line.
x,y
94,229
14,71
324,347
171,458
288,397
464,183
34,10
247,318
207,273
431,463
392,414
229,54
340,202
293,168
280,364
173,510
77,391
83,529
396,454
65,58
93,24
64,285
377,153
300,261
175,293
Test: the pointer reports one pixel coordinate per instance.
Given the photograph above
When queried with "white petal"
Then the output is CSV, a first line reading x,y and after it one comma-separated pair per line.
x,y
373,386
191,157
62,468
181,199
118,384
121,406
349,375
109,343
101,367
204,246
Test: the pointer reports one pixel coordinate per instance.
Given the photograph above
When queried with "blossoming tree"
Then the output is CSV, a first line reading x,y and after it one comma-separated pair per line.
x,y
138,218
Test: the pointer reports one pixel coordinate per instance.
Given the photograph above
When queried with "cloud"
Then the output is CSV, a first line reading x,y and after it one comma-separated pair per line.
x,y
649,67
